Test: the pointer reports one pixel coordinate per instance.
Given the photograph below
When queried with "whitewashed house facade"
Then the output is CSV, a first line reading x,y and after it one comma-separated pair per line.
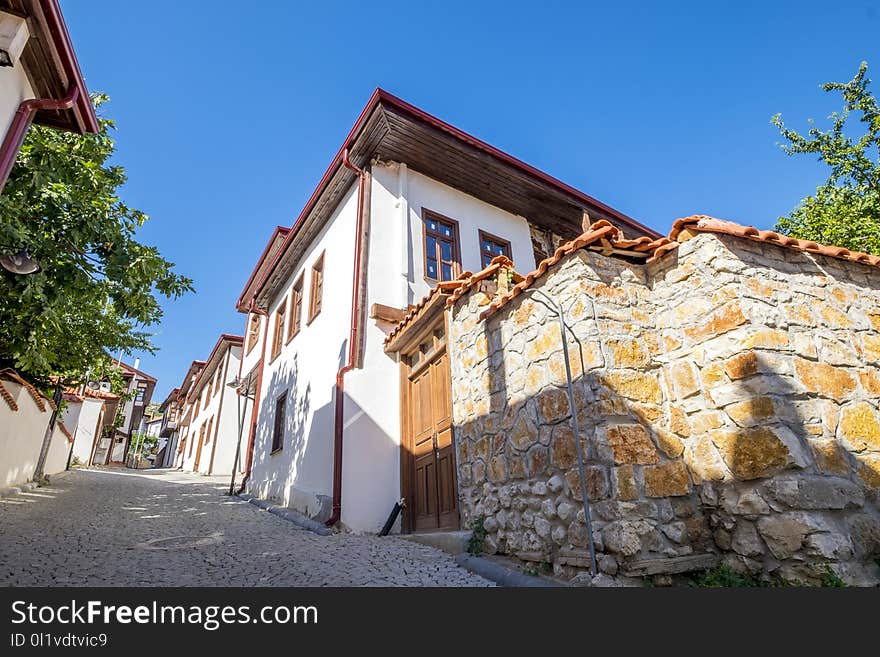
x,y
409,202
212,434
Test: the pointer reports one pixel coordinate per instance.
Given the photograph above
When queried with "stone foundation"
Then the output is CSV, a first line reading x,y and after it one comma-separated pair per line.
x,y
727,398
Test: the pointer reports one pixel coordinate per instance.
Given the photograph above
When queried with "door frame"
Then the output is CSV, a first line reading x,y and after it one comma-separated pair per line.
x,y
407,460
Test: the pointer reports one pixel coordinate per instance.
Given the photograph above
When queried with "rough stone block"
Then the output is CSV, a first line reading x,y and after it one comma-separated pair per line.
x,y
667,479
630,443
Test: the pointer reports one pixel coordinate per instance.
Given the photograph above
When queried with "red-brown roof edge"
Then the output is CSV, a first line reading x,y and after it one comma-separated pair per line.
x,y
61,37
241,304
380,95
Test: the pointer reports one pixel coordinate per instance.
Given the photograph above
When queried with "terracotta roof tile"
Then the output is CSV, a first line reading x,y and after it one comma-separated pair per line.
x,y
39,399
70,396
467,280
415,309
7,396
705,224
98,394
603,237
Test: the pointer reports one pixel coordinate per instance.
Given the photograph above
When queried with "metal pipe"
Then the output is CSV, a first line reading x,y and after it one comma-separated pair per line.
x,y
21,121
353,345
241,415
250,451
582,474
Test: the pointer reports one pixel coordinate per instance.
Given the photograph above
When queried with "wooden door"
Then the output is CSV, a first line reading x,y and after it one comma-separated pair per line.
x,y
199,449
432,494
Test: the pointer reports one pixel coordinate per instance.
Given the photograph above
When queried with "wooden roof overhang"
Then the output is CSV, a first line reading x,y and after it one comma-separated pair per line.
x,y
391,129
51,64
224,343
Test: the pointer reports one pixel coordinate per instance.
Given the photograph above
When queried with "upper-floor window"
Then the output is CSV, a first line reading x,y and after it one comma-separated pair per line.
x,y
296,302
278,429
278,333
208,433
218,380
442,251
317,290
206,395
491,246
253,331
141,391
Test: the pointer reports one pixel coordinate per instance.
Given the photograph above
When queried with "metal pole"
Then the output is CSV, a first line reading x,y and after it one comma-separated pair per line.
x,y
240,429
582,474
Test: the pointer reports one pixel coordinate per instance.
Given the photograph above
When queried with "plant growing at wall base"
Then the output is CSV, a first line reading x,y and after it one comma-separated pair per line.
x,y
476,542
98,287
845,210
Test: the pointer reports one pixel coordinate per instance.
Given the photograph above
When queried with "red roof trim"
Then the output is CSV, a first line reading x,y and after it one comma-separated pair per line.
x,y
380,95
61,38
241,305
225,338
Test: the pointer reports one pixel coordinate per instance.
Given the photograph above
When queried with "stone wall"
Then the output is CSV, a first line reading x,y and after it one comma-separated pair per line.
x,y
727,398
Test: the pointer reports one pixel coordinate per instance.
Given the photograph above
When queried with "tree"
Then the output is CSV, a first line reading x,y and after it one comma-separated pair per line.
x,y
845,210
98,286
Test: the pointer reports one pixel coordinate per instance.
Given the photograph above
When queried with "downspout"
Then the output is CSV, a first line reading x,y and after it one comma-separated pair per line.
x,y
353,343
21,121
254,412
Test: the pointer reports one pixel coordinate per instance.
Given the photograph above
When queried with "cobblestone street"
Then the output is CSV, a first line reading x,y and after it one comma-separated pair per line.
x,y
161,528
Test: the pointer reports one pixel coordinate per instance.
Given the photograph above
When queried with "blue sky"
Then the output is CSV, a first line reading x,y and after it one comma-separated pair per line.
x,y
227,115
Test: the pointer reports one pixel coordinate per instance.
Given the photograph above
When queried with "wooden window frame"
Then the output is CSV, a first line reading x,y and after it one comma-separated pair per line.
x,y
207,396
208,432
253,336
278,332
294,324
500,241
278,423
316,298
455,263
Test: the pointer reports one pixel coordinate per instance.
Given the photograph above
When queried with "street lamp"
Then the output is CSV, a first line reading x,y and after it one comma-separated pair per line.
x,y
19,263
236,384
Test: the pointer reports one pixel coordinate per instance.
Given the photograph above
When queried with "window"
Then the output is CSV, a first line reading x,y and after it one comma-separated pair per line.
x,y
218,380
278,334
442,260
141,391
278,430
317,291
253,332
206,395
208,434
490,247
296,302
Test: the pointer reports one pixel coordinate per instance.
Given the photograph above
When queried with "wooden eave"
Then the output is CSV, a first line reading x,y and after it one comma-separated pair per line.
x,y
392,130
415,329
51,65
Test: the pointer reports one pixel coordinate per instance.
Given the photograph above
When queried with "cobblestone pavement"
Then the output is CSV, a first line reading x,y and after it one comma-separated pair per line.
x,y
92,528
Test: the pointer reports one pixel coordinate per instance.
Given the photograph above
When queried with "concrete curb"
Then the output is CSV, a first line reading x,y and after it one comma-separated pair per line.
x,y
290,515
11,491
501,575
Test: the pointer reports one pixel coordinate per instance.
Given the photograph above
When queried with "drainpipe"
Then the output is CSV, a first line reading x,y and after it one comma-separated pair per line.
x,y
254,411
353,344
22,121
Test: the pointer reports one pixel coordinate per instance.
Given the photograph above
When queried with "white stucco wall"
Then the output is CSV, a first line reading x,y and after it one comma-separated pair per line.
x,y
224,429
303,470
21,436
86,425
306,368
14,88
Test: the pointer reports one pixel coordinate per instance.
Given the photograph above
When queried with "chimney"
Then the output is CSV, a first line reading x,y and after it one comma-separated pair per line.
x,y
137,362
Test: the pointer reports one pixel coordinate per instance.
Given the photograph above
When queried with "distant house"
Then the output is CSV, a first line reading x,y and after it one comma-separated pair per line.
x,y
408,205
182,412
113,444
40,79
213,411
168,430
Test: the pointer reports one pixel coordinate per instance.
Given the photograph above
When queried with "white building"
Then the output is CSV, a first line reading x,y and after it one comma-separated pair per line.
x,y
212,438
345,429
40,80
